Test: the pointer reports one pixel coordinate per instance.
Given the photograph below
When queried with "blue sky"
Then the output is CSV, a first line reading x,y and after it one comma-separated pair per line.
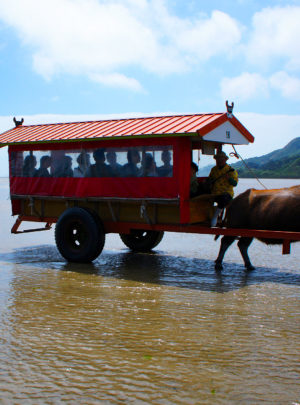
x,y
63,58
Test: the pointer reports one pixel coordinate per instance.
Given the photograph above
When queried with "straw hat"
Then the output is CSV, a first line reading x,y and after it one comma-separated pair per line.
x,y
221,154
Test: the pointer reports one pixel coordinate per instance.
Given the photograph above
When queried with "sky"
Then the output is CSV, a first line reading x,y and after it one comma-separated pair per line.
x,y
69,60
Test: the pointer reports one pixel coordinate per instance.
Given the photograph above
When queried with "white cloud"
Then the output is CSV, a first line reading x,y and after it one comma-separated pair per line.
x,y
208,37
276,33
244,87
101,39
253,85
288,85
78,35
274,48
117,80
98,37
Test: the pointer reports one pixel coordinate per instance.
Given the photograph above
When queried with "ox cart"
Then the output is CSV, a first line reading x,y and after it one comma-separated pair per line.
x,y
132,178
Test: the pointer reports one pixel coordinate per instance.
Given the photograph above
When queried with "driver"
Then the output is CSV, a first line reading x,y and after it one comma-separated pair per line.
x,y
222,179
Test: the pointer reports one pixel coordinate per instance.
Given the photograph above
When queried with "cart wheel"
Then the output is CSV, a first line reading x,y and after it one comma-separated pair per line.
x,y
140,240
79,236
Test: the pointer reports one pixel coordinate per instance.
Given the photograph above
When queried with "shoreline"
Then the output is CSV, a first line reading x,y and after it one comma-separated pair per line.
x,y
270,178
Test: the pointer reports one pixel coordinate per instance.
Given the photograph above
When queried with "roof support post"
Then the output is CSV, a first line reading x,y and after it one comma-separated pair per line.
x,y
286,247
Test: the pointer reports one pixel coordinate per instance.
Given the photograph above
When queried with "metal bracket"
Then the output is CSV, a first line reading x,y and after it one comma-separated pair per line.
x,y
18,222
143,213
112,212
32,207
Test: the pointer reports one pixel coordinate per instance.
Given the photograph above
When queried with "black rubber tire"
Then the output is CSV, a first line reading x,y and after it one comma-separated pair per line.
x,y
79,236
140,240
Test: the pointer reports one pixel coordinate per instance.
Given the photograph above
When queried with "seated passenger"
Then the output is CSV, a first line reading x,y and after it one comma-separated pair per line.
x,y
83,161
148,166
29,169
116,168
45,163
64,169
99,168
57,162
166,170
131,169
194,185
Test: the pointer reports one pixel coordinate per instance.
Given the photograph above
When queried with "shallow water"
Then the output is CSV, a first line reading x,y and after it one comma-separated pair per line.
x,y
159,328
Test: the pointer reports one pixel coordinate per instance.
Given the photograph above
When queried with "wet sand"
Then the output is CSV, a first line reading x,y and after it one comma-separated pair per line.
x,y
159,328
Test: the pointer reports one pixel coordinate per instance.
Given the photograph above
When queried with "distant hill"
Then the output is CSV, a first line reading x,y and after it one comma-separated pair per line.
x,y
281,163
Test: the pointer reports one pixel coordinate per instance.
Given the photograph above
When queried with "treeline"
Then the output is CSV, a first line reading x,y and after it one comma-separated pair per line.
x,y
287,167
281,163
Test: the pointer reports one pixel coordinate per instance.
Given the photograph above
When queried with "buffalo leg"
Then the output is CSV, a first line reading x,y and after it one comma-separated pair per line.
x,y
243,245
225,243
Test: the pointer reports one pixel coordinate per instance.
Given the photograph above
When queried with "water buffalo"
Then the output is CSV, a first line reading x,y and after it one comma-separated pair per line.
x,y
277,210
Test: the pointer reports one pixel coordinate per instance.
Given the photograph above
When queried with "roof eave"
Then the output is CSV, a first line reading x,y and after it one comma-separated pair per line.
x,y
107,138
220,120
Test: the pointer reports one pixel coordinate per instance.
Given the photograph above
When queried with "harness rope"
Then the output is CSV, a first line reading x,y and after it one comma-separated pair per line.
x,y
238,156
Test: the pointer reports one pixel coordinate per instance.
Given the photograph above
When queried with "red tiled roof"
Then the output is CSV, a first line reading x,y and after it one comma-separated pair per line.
x,y
196,124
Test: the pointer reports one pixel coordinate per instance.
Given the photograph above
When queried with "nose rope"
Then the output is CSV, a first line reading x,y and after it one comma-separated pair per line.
x,y
238,156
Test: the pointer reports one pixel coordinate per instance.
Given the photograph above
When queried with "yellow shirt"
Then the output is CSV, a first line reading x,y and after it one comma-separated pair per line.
x,y
222,185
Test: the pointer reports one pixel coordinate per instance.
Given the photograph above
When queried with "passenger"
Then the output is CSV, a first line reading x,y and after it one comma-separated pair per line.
x,y
194,185
99,168
45,163
57,163
68,171
65,168
222,179
166,170
131,169
148,166
83,161
115,167
29,169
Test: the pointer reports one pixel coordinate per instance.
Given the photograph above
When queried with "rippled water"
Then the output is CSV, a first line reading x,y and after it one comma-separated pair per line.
x,y
159,328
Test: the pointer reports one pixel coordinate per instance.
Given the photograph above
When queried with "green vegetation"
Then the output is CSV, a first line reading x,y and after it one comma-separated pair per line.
x,y
281,163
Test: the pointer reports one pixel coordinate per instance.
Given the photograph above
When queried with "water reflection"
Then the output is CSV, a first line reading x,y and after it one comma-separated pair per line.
x,y
146,328
155,268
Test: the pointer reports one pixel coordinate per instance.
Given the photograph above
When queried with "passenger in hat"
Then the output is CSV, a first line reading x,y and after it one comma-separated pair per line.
x,y
222,179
